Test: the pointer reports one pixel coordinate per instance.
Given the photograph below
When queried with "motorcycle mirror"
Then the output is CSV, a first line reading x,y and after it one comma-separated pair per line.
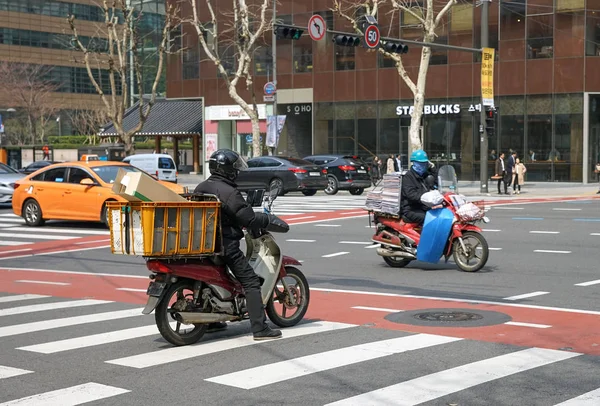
x,y
273,192
255,197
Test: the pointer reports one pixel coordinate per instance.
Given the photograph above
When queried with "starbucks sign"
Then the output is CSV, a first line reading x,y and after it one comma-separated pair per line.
x,y
428,109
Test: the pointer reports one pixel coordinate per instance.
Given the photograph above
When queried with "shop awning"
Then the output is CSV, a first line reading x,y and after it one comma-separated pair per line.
x,y
168,117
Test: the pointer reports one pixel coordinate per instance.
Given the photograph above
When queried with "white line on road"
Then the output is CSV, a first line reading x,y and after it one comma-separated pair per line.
x,y
91,242
526,295
72,396
132,290
328,225
374,246
14,220
13,251
50,253
50,306
353,212
9,372
38,236
490,230
301,218
533,325
587,399
43,282
544,232
590,283
508,208
173,354
15,243
552,252
594,233
301,240
282,371
377,309
449,381
336,254
565,209
18,298
356,242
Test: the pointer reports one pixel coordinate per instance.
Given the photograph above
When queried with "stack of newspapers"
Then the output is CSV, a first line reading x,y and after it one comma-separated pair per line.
x,y
373,202
390,197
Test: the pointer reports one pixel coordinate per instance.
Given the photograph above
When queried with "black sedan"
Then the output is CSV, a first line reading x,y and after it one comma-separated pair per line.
x,y
287,174
35,166
344,172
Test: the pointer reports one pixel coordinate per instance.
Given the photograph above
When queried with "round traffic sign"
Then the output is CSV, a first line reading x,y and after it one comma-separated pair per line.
x,y
269,88
316,27
372,36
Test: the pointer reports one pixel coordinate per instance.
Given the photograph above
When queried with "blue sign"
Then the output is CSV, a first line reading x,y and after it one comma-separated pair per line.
x,y
270,88
248,138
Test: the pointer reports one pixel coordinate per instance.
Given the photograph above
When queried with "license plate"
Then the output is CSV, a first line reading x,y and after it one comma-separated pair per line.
x,y
314,174
156,288
361,171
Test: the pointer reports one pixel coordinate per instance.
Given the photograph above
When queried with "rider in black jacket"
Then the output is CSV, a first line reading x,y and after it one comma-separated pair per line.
x,y
236,213
420,178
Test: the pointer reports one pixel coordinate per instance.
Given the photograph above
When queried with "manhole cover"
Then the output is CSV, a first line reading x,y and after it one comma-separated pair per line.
x,y
449,318
444,316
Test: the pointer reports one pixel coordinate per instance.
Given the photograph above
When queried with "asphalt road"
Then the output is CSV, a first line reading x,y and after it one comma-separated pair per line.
x,y
542,249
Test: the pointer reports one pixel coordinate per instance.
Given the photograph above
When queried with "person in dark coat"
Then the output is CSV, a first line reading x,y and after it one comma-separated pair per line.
x,y
510,170
420,179
236,213
500,173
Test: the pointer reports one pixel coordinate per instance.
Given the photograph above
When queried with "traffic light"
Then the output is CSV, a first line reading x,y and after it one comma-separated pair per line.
x,y
395,47
346,40
288,32
490,121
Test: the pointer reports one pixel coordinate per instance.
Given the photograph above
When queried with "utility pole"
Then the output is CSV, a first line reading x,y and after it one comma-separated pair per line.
x,y
273,151
483,153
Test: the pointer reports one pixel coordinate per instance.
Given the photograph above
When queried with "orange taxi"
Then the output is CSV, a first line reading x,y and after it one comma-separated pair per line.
x,y
70,191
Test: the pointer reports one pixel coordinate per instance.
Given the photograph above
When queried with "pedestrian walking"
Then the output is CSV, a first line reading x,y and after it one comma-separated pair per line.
x,y
391,164
501,173
519,178
510,170
46,151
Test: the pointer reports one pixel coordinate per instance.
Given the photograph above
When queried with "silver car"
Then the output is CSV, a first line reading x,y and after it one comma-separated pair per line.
x,y
8,177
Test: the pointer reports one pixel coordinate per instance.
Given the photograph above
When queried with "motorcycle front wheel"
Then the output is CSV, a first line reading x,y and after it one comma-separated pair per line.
x,y
178,297
280,308
476,252
397,262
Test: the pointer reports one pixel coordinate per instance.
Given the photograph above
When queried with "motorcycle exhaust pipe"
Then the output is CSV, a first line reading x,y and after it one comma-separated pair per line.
x,y
393,253
200,318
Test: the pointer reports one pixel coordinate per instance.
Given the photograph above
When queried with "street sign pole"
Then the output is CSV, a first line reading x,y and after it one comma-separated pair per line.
x,y
483,153
272,151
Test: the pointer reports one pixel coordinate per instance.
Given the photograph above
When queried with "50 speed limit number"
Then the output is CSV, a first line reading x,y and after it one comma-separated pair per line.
x,y
372,36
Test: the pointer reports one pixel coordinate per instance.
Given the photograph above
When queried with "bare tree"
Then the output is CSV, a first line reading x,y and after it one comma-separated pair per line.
x,y
87,122
240,31
120,57
48,113
30,89
429,15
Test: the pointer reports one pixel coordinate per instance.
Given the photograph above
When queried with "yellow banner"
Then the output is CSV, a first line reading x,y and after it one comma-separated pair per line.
x,y
487,77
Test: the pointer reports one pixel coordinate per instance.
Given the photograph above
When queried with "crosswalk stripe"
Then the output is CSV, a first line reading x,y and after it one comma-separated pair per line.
x,y
13,220
61,230
9,372
203,348
18,298
50,306
430,387
38,236
324,361
72,396
17,329
587,399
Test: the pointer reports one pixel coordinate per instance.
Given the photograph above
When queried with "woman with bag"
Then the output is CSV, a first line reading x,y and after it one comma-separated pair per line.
x,y
519,175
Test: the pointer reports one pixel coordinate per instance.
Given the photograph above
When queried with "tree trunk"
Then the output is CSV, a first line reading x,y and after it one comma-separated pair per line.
x,y
127,141
256,147
414,133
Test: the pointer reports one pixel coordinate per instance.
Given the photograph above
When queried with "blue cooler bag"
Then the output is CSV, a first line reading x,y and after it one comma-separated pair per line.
x,y
435,233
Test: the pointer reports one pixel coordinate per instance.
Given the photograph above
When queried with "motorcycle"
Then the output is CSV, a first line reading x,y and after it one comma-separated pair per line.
x,y
400,240
195,292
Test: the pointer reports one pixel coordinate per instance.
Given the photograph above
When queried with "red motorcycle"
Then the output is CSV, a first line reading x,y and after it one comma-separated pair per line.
x,y
399,240
197,292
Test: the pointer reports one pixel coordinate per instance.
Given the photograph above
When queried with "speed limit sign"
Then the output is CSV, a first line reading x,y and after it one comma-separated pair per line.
x,y
372,36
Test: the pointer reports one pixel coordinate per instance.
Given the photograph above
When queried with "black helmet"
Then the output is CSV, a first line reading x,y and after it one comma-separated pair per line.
x,y
227,163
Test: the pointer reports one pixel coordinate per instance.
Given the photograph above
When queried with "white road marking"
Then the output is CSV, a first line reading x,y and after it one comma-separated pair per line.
x,y
328,225
377,309
335,254
594,233
356,242
292,240
18,298
91,242
490,230
449,381
15,243
9,372
43,282
132,290
354,212
533,325
14,220
374,246
301,218
552,251
61,230
587,399
72,396
38,236
27,328
52,253
173,354
565,209
50,306
590,283
526,295
13,251
325,361
544,232
508,208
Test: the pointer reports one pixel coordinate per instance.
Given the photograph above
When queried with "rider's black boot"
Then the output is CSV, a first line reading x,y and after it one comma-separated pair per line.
x,y
256,313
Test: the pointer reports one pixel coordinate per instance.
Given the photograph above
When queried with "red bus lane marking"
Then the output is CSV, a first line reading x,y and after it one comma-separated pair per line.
x,y
578,330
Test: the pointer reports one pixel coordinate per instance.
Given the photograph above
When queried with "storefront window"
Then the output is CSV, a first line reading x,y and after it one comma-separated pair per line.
x,y
568,137
540,40
389,130
510,128
592,34
539,137
263,61
594,137
345,137
367,129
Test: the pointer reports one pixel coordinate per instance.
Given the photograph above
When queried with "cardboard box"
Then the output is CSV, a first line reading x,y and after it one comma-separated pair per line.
x,y
139,187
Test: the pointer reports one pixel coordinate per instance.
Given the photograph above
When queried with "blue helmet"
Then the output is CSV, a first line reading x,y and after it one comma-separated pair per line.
x,y
419,156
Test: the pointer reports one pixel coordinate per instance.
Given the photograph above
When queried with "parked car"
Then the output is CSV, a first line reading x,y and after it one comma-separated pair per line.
x,y
287,174
8,178
344,172
160,165
70,191
35,166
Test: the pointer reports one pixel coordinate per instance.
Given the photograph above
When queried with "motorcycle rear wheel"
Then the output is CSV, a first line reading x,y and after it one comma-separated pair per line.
x,y
298,287
472,241
183,291
397,262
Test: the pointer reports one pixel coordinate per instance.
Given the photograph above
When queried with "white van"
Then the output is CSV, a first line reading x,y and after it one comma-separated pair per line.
x,y
160,165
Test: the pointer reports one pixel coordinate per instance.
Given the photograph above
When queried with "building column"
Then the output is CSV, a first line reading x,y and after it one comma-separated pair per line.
x,y
196,153
176,152
157,147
